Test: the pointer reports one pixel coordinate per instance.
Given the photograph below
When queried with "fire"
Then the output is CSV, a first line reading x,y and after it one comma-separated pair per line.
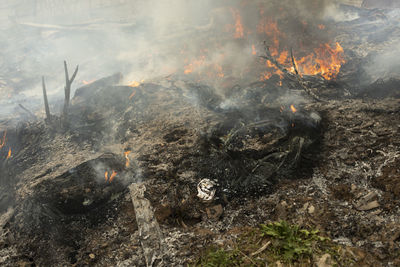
x,y
87,82
9,153
293,109
126,154
113,174
321,26
239,30
194,65
134,84
325,61
2,143
253,50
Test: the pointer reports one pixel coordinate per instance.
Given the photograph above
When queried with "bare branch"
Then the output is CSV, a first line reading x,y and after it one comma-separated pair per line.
x,y
46,102
74,74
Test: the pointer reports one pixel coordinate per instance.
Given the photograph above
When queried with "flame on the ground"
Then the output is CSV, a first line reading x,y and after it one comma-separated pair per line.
x,y
9,153
3,141
253,50
106,175
134,84
239,31
293,109
87,82
126,154
325,60
321,26
113,174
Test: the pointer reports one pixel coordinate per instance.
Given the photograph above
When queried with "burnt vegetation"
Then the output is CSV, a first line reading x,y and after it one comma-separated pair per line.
x,y
274,142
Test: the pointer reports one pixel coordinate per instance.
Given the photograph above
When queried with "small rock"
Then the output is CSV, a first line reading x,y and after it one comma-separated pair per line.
x,y
92,256
371,205
214,212
324,261
311,209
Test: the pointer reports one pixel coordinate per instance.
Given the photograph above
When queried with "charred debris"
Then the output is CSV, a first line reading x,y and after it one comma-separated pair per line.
x,y
154,173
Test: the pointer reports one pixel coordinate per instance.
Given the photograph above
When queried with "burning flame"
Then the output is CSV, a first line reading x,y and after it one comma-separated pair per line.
x,y
325,60
293,109
253,50
321,26
126,154
134,84
9,153
113,174
87,82
2,143
239,31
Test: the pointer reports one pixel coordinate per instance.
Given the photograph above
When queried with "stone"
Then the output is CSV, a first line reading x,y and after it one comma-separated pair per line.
x,y
311,209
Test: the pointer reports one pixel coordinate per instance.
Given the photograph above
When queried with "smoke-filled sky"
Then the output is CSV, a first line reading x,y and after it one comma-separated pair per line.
x,y
147,39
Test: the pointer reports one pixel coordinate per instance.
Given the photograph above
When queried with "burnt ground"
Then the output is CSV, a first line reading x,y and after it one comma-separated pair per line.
x,y
331,165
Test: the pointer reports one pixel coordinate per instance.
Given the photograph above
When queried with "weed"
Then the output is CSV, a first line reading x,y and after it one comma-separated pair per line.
x,y
290,242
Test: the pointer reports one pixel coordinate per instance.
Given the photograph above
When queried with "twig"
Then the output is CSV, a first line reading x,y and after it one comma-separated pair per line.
x,y
46,102
250,259
282,68
261,249
28,111
67,89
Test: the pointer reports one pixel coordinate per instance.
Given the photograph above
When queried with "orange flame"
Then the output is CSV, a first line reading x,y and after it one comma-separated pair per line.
x,y
253,50
293,109
106,175
321,26
239,31
325,61
87,82
113,174
134,84
126,154
2,143
9,153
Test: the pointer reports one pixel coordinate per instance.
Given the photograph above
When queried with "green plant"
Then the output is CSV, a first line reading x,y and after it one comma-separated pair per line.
x,y
290,242
220,258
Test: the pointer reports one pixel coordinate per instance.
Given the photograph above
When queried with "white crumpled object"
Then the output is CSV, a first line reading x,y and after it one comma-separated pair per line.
x,y
206,190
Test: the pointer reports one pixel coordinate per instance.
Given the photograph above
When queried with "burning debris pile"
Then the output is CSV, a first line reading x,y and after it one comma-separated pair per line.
x,y
276,117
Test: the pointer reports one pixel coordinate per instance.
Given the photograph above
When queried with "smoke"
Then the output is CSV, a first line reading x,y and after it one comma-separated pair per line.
x,y
147,39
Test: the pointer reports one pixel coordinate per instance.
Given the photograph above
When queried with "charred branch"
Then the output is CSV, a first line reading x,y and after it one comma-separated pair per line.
x,y
67,89
28,111
46,102
282,68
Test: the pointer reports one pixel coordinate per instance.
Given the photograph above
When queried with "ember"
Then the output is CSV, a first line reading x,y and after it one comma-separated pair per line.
x,y
126,154
9,153
3,141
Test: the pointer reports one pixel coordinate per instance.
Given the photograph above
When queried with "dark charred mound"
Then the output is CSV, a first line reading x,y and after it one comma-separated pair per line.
x,y
50,224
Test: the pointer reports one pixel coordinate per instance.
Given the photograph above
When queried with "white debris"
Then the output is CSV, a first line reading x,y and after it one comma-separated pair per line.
x,y
206,190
